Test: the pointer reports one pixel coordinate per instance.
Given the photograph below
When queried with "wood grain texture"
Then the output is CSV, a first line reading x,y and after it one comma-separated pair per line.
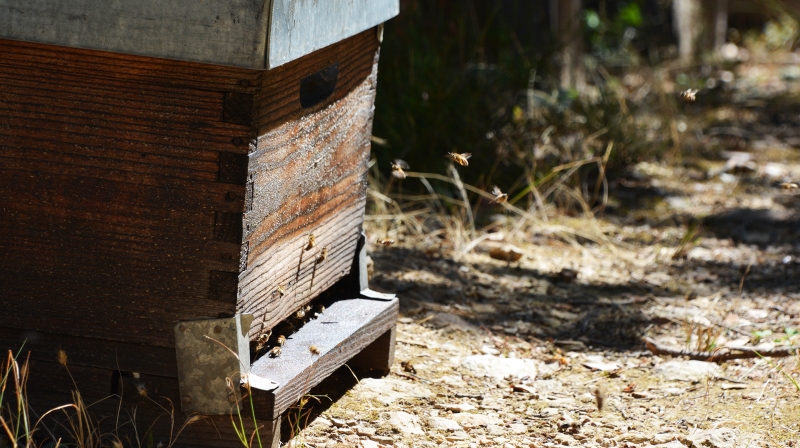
x,y
346,328
113,172
277,100
306,177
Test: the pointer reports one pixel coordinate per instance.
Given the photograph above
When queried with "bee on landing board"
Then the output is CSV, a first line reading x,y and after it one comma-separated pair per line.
x,y
262,340
689,95
460,159
313,349
385,241
281,340
275,352
397,168
312,241
499,196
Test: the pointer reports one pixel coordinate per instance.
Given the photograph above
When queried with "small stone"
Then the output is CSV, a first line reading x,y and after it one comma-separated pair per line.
x,y
367,443
388,390
499,367
673,444
518,428
346,430
321,422
632,437
692,370
382,439
717,438
564,439
472,420
458,407
352,439
365,432
405,423
495,430
352,422
339,422
443,424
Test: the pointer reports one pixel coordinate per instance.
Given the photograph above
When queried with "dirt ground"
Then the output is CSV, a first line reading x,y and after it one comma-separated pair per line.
x,y
550,350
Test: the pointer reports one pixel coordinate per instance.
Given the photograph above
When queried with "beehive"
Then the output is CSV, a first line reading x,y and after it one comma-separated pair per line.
x,y
152,175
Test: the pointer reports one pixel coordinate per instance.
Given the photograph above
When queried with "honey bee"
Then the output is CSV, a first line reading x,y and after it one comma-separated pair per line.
x,y
320,309
281,290
460,159
789,186
385,241
262,340
281,340
689,95
600,397
275,352
313,349
323,255
312,241
301,313
499,196
397,168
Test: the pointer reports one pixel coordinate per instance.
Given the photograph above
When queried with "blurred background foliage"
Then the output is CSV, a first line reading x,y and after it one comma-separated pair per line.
x,y
481,76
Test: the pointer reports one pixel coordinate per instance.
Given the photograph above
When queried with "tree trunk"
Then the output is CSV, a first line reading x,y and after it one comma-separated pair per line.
x,y
688,24
565,21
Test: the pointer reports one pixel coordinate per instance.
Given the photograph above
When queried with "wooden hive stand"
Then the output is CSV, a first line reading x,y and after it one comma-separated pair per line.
x,y
162,171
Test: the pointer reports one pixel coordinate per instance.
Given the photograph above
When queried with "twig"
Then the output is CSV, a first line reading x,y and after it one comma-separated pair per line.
x,y
721,354
744,276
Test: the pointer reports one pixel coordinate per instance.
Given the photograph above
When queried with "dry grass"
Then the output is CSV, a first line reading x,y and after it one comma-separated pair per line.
x,y
78,426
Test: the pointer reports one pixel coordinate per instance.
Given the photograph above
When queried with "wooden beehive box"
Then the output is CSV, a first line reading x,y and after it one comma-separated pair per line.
x,y
166,162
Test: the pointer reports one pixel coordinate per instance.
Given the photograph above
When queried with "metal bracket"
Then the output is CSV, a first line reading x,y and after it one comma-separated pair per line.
x,y
213,357
360,270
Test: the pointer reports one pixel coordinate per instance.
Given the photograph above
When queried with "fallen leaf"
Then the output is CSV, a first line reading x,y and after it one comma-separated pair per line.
x,y
506,253
602,366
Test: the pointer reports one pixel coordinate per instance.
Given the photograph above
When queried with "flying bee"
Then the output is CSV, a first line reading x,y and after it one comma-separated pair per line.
x,y
313,349
460,159
385,241
689,95
499,196
281,340
789,186
275,352
312,241
600,397
397,168
323,255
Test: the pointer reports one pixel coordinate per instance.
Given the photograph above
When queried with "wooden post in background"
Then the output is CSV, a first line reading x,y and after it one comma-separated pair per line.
x,y
688,25
565,20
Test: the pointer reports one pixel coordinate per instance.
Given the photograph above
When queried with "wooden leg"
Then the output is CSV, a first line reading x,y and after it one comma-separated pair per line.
x,y
378,357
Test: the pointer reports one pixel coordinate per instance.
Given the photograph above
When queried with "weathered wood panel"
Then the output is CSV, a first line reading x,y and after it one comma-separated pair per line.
x,y
306,177
278,99
113,172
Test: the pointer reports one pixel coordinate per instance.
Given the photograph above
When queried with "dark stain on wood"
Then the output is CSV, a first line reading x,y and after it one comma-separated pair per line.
x,y
237,108
232,168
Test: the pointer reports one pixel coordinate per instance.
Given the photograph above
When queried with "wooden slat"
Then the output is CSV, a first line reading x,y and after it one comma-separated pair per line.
x,y
114,169
342,331
124,68
90,352
305,177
